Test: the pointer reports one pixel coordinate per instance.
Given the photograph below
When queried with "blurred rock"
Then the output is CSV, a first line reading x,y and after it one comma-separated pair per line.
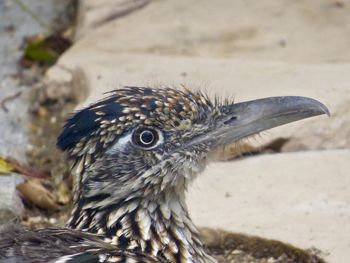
x,y
92,13
11,206
277,30
14,120
333,133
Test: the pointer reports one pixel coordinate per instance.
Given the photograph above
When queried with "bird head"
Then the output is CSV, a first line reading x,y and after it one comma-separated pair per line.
x,y
141,142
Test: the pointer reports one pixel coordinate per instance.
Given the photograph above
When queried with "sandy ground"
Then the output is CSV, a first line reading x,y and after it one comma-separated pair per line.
x,y
245,49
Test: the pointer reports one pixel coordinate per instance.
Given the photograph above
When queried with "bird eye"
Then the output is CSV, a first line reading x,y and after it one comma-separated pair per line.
x,y
145,137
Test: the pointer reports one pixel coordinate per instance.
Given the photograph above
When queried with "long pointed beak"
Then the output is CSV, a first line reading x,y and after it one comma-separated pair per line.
x,y
247,118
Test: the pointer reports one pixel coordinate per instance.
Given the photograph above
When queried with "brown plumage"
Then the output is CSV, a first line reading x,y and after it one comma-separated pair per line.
x,y
134,155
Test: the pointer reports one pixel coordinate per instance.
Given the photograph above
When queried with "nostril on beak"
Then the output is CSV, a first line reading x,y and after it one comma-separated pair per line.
x,y
230,120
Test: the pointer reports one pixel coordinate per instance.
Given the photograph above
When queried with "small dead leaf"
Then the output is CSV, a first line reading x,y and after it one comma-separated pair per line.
x,y
5,166
35,193
26,170
63,193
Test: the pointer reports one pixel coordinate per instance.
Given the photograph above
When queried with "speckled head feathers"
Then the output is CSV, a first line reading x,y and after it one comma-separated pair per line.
x,y
100,124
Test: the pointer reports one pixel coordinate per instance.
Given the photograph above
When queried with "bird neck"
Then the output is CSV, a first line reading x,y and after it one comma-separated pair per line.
x,y
160,226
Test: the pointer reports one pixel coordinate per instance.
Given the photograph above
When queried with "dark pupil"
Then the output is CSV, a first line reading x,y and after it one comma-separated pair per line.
x,y
146,137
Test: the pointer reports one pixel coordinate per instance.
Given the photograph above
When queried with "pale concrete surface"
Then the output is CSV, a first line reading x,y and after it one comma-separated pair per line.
x,y
246,50
293,197
92,13
299,31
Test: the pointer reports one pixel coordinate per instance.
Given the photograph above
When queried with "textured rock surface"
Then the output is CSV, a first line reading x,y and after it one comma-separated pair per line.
x,y
16,24
92,13
301,31
10,204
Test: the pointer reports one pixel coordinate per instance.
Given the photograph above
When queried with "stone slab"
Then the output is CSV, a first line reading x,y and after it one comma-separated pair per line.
x,y
302,198
11,206
92,13
283,30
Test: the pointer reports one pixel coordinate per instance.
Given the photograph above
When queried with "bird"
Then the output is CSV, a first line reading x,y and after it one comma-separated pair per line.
x,y
133,155
62,245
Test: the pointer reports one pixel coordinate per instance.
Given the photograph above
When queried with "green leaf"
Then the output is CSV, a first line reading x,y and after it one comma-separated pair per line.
x,y
5,167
